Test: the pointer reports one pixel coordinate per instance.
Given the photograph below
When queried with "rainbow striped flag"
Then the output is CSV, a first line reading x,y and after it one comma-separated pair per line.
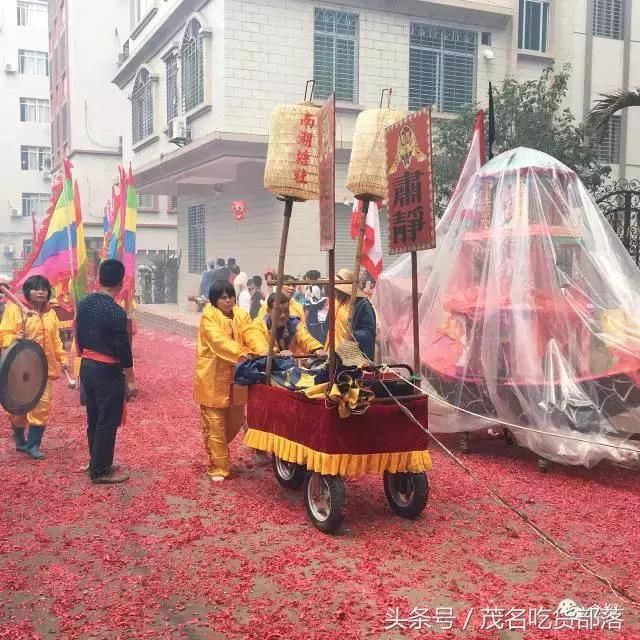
x,y
129,243
79,283
116,241
55,256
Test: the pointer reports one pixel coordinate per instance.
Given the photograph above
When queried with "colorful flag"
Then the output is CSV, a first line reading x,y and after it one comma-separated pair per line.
x,y
54,256
372,243
129,245
79,284
116,241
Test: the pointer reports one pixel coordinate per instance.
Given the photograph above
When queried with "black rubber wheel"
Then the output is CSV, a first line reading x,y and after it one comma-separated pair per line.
x,y
324,498
288,474
407,493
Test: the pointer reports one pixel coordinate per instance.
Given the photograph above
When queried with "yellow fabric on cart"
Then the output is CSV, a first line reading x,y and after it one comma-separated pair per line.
x,y
343,464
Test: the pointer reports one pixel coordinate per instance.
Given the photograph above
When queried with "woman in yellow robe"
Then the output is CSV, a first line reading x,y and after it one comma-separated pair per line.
x,y
226,337
43,327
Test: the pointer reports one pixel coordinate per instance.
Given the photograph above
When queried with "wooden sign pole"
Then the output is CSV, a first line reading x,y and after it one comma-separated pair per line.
x,y
356,269
288,208
414,308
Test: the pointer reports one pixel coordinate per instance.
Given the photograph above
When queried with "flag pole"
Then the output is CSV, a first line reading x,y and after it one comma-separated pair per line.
x,y
492,123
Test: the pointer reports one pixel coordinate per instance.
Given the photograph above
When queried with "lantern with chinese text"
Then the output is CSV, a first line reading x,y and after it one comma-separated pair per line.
x,y
292,159
368,167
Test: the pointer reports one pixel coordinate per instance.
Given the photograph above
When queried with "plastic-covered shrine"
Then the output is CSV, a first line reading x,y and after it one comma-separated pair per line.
x,y
529,314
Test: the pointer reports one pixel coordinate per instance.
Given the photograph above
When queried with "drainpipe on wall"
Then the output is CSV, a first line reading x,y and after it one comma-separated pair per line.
x,y
626,64
588,61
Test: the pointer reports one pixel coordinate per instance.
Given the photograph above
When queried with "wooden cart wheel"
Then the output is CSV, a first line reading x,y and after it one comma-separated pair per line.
x,y
288,474
407,493
325,499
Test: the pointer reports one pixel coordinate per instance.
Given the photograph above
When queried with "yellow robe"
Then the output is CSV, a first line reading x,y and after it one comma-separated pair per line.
x,y
45,330
303,343
341,325
41,328
222,342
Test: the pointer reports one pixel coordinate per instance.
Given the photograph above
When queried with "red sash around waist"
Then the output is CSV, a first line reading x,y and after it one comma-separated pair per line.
x,y
96,356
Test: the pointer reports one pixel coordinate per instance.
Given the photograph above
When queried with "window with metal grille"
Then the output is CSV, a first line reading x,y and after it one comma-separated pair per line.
x,y
142,106
533,25
335,51
173,204
35,203
34,110
192,64
27,248
32,13
442,67
172,88
607,150
608,19
35,158
196,230
145,201
33,63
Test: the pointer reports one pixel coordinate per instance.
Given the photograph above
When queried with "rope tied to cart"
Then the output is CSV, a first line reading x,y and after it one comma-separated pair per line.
x,y
619,592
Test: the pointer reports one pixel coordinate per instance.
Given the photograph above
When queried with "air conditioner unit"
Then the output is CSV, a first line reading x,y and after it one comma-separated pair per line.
x,y
15,213
46,176
178,131
9,68
9,250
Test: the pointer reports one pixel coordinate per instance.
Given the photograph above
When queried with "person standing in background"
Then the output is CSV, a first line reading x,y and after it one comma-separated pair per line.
x,y
106,371
242,292
254,287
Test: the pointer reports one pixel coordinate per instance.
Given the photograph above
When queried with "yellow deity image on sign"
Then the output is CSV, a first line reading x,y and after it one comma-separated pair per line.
x,y
408,149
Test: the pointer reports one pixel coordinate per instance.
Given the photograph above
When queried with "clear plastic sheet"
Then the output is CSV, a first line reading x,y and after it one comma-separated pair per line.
x,y
529,310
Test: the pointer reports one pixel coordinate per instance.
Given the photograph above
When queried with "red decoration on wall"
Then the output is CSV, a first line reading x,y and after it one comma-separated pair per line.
x,y
239,210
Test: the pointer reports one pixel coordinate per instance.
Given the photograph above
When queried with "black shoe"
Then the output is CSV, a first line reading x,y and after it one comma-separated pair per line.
x,y
110,478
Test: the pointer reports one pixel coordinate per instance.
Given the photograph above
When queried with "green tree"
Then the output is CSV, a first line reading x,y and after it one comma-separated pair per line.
x,y
528,114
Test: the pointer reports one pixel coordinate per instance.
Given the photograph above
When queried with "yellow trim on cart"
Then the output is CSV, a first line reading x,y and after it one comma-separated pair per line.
x,y
333,464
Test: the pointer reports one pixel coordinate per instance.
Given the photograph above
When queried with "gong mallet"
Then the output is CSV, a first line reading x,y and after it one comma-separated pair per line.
x,y
9,296
71,383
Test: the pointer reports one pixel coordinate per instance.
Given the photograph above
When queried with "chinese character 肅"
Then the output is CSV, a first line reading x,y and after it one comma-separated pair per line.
x,y
408,189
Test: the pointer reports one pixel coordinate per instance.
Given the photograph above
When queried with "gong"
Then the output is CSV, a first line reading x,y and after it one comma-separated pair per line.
x,y
23,376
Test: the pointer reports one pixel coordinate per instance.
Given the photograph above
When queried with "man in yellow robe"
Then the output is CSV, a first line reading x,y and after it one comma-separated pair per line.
x,y
292,336
296,310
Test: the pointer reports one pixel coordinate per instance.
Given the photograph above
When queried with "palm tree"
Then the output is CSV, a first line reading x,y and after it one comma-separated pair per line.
x,y
606,107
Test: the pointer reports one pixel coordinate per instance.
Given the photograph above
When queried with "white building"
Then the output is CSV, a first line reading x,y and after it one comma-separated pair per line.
x,y
25,160
89,115
207,74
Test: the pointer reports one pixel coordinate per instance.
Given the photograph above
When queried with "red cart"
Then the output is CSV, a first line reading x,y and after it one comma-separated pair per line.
x,y
315,448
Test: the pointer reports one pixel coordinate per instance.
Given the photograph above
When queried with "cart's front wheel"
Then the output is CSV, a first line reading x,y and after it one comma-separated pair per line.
x,y
289,474
325,498
407,493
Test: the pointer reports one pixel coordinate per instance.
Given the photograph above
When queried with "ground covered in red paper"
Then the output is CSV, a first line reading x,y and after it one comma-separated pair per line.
x,y
171,555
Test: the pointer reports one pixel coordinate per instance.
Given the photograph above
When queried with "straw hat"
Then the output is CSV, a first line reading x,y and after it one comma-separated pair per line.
x,y
347,274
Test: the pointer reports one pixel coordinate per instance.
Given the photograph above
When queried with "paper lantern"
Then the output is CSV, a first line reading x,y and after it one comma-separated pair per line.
x,y
292,159
368,167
